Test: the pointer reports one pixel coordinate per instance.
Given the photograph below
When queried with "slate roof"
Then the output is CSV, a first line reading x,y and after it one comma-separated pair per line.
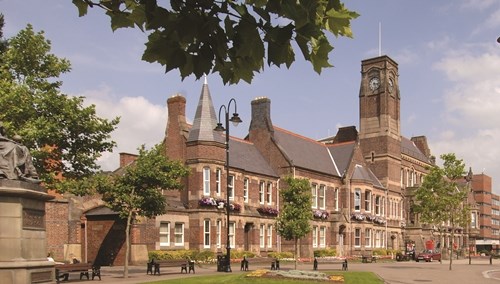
x,y
205,119
305,153
365,174
409,148
342,154
244,155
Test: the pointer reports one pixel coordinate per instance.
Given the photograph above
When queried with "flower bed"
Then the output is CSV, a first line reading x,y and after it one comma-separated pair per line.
x,y
268,211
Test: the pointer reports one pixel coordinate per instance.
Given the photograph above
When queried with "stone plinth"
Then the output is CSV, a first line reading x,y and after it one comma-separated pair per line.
x,y
23,257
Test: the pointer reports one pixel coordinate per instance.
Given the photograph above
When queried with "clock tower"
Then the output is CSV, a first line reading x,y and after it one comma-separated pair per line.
x,y
379,114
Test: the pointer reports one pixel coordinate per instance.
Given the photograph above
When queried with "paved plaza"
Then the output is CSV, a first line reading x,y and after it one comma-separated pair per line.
x,y
480,271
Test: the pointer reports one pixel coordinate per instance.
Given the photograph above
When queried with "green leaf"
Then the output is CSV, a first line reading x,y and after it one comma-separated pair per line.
x,y
82,7
319,54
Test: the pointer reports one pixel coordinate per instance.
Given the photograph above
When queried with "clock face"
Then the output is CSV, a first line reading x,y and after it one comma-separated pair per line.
x,y
374,83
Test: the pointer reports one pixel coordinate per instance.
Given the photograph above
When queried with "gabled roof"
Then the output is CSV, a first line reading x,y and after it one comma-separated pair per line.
x,y
305,153
342,154
244,155
205,119
409,148
365,174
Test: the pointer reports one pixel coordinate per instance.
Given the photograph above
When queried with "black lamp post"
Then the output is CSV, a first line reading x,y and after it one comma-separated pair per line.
x,y
468,179
235,120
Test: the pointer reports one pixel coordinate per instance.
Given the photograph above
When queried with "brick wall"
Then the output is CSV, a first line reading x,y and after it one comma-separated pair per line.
x,y
56,222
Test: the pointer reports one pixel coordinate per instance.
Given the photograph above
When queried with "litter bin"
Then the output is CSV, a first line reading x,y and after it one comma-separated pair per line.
x,y
221,263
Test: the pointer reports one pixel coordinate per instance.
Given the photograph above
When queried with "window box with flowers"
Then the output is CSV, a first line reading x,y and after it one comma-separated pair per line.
x,y
379,220
321,214
370,218
268,211
218,203
358,216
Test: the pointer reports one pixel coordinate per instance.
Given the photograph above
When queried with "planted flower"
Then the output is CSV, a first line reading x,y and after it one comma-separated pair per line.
x,y
268,211
358,216
321,214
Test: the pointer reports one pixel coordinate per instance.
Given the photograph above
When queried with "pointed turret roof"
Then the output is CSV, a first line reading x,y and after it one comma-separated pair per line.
x,y
205,119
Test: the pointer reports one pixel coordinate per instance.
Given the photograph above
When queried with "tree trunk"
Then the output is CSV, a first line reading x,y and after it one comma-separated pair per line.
x,y
296,251
452,241
127,243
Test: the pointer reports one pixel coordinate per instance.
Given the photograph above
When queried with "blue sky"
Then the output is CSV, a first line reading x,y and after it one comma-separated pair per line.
x,y
449,67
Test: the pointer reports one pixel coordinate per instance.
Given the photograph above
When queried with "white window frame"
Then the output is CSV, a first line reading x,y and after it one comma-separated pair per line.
x,y
314,194
368,200
218,174
336,193
218,233
322,236
368,237
262,233
246,183
269,193
206,181
322,196
231,187
179,234
315,236
357,237
377,205
164,234
269,236
232,234
357,199
262,185
206,233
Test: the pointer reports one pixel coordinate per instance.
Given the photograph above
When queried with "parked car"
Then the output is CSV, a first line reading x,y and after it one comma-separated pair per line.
x,y
429,255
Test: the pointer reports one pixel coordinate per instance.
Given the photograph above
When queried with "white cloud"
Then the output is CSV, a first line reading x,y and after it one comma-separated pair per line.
x,y
471,104
140,122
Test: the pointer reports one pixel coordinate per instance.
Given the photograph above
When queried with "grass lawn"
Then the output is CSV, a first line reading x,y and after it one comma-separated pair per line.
x,y
240,278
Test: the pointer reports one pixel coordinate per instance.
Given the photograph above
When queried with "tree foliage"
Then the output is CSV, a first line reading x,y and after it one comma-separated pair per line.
x,y
65,137
137,191
442,197
294,219
230,37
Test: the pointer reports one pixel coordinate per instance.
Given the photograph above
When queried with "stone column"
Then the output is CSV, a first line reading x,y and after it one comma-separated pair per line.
x,y
23,257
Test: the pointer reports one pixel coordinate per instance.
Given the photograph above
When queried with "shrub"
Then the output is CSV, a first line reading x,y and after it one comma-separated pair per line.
x,y
379,251
205,256
325,252
172,254
281,255
241,254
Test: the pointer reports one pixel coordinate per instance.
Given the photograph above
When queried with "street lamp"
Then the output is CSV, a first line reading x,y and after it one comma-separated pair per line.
x,y
235,120
468,179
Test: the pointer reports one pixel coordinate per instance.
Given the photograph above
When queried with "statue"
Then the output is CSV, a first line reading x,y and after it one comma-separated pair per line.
x,y
15,159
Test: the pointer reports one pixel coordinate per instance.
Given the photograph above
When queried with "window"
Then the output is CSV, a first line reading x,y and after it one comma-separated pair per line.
x,y
232,242
245,190
336,193
321,197
378,234
269,193
230,187
368,238
357,199
179,234
206,181
314,193
322,237
164,234
368,201
261,235
315,236
357,237
218,233
377,205
269,236
206,233
217,182
473,223
401,181
382,206
261,192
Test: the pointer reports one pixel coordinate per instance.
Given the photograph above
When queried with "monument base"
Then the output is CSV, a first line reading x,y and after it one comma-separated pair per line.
x,y
23,257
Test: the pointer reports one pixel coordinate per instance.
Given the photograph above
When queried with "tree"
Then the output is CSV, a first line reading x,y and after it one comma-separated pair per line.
x,y
65,138
137,191
230,37
293,221
442,197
